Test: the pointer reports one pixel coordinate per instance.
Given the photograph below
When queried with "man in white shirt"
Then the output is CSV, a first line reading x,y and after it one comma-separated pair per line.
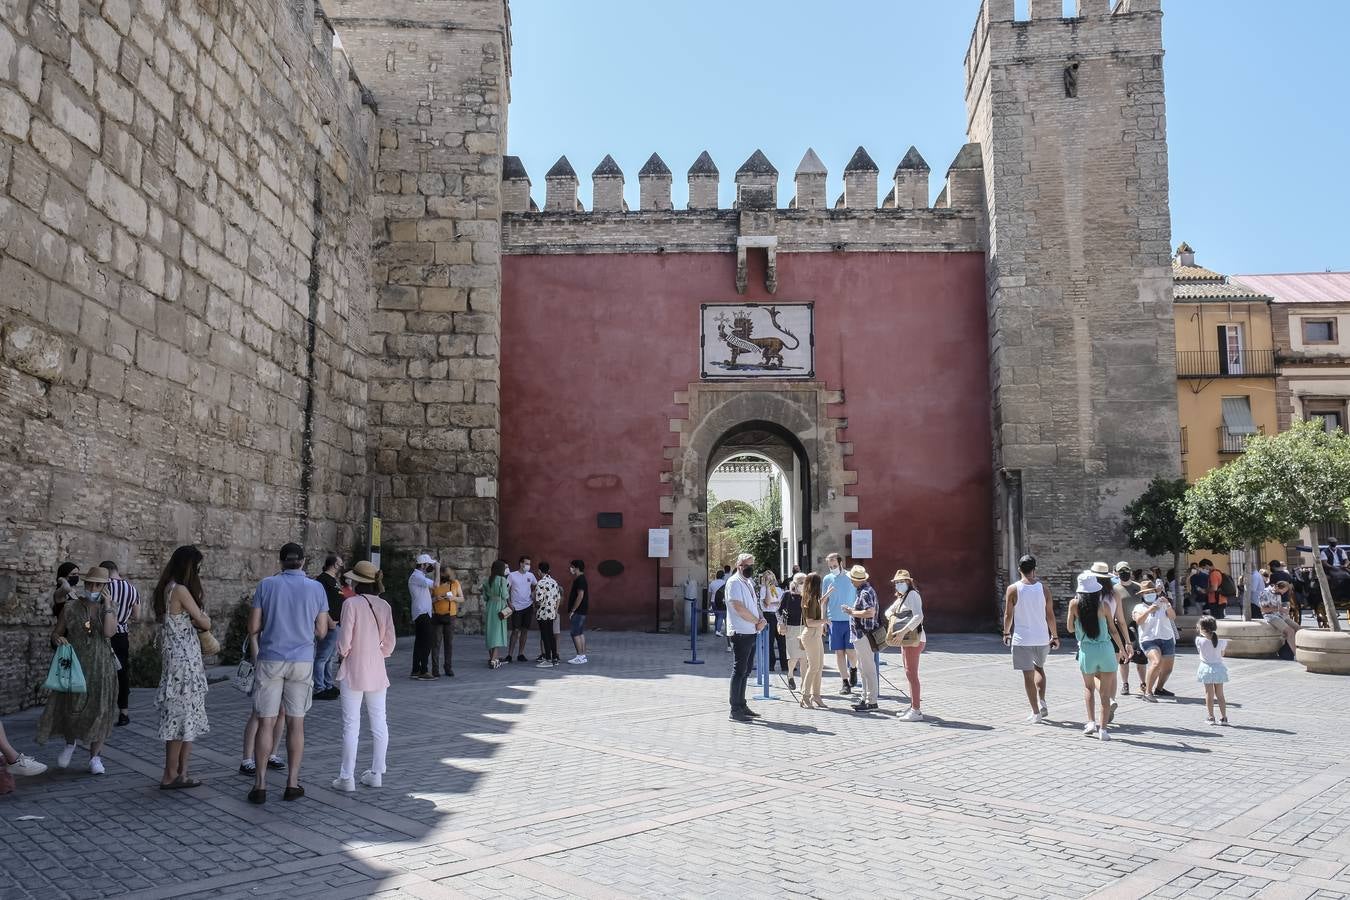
x,y
420,583
744,622
717,603
521,583
1256,586
1029,629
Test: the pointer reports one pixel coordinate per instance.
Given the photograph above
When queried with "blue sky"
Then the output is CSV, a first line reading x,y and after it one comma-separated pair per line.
x,y
1257,113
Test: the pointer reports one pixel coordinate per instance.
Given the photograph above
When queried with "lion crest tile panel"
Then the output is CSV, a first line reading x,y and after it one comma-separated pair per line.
x,y
751,340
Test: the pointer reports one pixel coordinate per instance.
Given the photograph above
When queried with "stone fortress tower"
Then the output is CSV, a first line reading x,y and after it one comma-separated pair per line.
x,y
1070,115
257,259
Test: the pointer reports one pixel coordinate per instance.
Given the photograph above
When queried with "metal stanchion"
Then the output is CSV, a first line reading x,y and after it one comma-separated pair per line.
x,y
693,659
762,664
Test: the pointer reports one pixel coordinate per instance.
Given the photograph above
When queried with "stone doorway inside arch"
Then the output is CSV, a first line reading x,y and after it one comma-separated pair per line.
x,y
759,472
797,426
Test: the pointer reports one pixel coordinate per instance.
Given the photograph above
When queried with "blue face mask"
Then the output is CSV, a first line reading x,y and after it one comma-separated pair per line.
x,y
901,588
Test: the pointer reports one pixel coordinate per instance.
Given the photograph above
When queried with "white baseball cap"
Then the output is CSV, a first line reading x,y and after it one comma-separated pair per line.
x,y
425,560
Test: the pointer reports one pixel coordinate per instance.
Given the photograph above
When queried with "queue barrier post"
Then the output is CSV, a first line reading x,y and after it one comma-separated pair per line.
x,y
693,659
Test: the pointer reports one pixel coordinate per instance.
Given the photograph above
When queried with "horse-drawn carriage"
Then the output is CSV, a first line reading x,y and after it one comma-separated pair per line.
x,y
1308,593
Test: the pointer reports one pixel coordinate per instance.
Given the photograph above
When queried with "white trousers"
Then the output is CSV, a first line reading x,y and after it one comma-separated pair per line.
x,y
351,728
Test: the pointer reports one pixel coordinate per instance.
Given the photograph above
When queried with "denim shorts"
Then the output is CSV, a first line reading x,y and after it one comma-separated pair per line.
x,y
1167,647
578,625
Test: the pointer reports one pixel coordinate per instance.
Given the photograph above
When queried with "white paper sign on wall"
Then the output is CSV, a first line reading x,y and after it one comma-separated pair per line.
x,y
861,545
658,543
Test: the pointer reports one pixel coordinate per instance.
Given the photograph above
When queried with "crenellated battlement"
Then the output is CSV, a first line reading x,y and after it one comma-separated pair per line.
x,y
756,185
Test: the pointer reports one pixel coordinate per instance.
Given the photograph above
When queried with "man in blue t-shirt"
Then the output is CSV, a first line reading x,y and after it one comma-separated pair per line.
x,y
290,611
839,594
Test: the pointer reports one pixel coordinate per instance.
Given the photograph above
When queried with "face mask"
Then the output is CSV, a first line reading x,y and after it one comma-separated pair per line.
x,y
745,570
73,580
94,596
901,588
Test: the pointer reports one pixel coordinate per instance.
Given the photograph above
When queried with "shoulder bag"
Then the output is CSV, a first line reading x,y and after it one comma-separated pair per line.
x,y
876,635
66,676
896,636
242,679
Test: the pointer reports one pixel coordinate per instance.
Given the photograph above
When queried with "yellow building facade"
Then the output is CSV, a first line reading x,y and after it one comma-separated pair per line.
x,y
1226,378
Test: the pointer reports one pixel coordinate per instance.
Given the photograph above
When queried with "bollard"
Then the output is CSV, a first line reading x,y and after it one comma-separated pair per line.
x,y
693,659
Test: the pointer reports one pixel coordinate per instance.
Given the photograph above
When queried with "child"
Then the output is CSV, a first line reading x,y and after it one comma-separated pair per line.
x,y
1212,672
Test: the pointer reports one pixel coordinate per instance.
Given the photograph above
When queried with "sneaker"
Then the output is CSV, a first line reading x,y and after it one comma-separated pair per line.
x,y
1148,698
1044,712
912,716
449,673
1103,736
1163,692
1209,720
1033,719
520,657
63,758
792,683
370,779
1111,712
347,785
427,676
1090,729
248,767
26,765
578,660
1125,689
276,763
862,706
740,716
853,675
543,664
728,650
1224,722
847,688
505,659
123,719
95,765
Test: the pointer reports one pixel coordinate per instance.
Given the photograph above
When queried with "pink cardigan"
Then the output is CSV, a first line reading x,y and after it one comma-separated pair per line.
x,y
364,642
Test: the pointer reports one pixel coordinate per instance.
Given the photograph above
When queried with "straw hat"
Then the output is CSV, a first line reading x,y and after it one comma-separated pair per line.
x,y
96,575
902,575
1099,568
857,573
363,572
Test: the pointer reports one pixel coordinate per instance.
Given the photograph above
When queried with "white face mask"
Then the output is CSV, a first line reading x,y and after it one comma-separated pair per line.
x,y
901,588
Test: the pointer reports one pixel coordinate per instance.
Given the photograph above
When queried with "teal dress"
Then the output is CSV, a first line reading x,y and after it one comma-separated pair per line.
x,y
495,595
1095,655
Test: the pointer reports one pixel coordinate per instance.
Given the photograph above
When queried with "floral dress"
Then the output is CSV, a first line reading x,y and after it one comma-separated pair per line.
x,y
86,717
182,681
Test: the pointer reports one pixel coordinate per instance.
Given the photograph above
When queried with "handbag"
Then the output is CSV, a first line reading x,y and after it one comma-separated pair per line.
x,y
899,621
65,676
210,646
243,677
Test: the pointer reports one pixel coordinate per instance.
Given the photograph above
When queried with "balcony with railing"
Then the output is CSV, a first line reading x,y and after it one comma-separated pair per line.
x,y
1232,443
1225,364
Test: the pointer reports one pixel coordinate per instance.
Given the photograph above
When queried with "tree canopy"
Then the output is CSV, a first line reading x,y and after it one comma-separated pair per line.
x,y
1153,521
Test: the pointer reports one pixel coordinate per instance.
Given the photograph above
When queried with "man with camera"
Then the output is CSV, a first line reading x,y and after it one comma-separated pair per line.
x,y
423,578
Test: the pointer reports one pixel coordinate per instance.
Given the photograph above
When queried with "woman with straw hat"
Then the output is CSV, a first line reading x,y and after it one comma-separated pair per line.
x,y
906,613
366,640
87,622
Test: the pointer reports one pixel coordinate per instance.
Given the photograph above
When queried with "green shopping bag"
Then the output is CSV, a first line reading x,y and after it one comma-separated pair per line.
x,y
65,675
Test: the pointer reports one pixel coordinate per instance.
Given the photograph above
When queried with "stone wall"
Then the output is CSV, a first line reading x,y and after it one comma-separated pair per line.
x,y
184,267
1070,114
440,73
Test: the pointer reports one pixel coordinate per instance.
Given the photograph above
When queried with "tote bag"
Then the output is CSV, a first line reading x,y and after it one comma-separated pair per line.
x,y
65,675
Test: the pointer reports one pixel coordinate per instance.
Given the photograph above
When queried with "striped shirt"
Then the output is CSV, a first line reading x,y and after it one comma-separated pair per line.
x,y
126,597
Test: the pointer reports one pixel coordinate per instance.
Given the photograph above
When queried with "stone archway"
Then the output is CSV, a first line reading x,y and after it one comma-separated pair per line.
x,y
801,410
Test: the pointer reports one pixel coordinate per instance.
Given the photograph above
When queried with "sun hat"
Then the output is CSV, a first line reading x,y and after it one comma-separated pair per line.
x,y
1099,568
363,572
1088,583
902,575
96,575
1123,566
857,573
425,559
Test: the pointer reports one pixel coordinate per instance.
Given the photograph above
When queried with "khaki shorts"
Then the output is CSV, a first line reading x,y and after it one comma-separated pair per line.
x,y
278,684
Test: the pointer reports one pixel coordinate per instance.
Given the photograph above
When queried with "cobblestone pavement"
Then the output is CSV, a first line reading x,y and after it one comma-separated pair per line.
x,y
624,778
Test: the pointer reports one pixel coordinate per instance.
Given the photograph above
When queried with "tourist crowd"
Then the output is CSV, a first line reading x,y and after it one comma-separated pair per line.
x,y
324,638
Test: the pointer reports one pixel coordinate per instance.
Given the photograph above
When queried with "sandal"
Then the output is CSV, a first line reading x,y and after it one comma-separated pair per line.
x,y
179,784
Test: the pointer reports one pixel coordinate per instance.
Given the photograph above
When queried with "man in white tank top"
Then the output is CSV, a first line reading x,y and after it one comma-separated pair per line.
x,y
1029,629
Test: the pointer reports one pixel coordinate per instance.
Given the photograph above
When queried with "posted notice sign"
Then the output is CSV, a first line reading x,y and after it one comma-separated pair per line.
x,y
861,545
658,543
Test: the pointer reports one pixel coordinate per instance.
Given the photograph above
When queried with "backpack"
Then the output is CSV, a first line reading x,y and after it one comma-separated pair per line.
x,y
720,598
1226,586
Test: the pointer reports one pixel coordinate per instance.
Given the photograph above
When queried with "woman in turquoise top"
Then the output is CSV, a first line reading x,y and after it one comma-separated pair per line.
x,y
495,597
1096,655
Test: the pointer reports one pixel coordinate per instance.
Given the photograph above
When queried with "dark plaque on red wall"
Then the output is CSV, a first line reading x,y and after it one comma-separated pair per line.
x,y
757,340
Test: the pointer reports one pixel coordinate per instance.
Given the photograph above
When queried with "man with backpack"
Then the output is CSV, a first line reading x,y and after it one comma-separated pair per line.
x,y
1222,591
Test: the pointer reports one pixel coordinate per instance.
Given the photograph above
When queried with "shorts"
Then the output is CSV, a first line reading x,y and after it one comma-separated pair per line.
x,y
578,624
521,619
279,685
1166,648
1027,657
1097,657
841,635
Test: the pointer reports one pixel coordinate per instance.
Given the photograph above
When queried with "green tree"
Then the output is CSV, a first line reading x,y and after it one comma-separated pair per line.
x,y
1153,521
757,531
1280,484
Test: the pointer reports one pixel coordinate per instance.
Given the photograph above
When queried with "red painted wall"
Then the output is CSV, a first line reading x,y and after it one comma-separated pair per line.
x,y
594,347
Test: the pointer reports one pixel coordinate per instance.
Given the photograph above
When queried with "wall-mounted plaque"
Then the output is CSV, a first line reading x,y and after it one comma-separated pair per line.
x,y
757,340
